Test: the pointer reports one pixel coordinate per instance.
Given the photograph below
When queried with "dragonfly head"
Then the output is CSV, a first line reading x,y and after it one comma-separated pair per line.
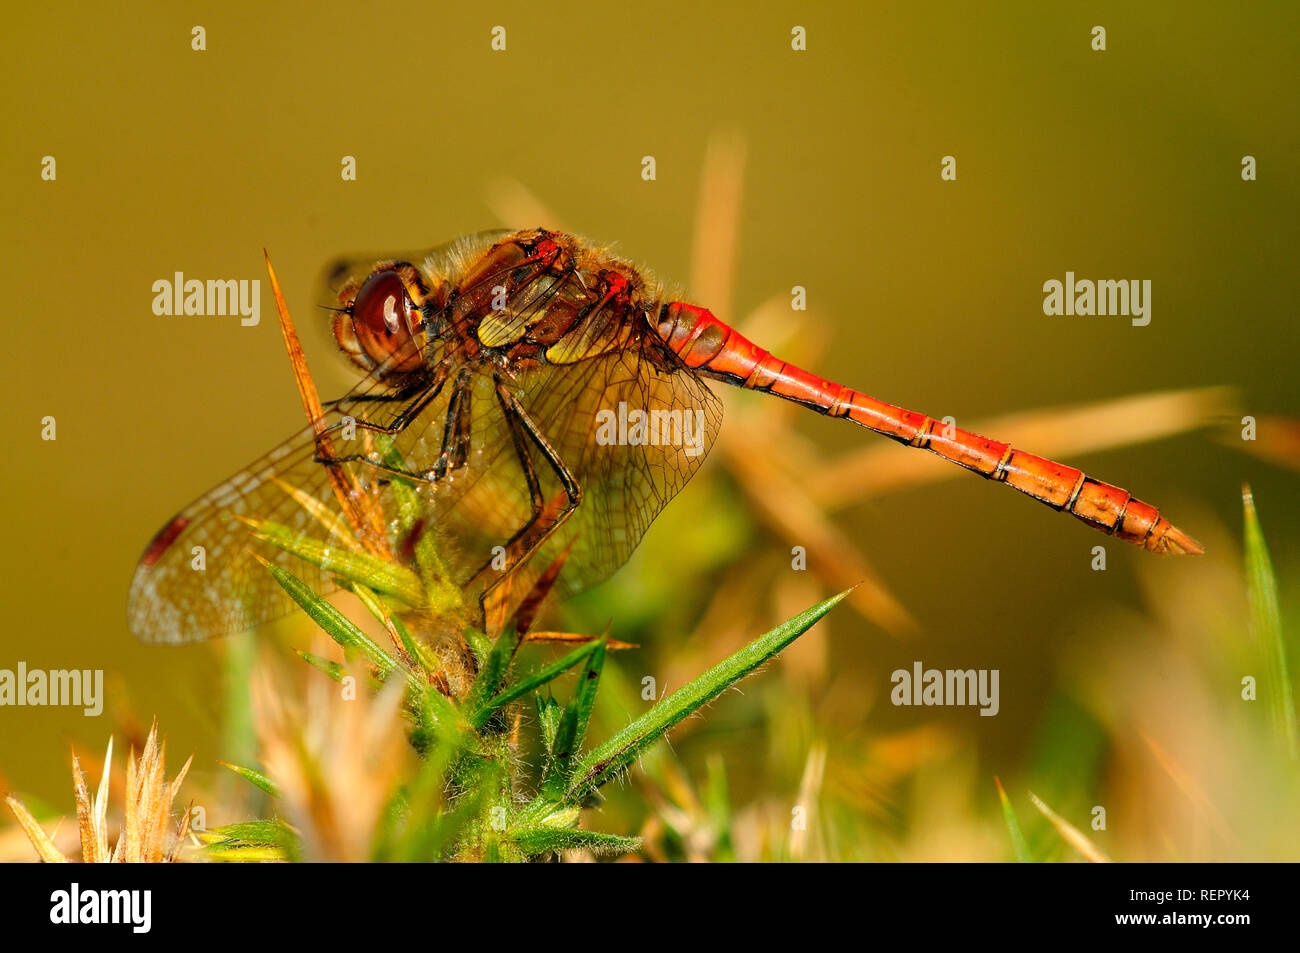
x,y
382,325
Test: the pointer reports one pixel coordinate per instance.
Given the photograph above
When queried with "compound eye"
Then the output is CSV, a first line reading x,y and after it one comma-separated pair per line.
x,y
382,305
383,319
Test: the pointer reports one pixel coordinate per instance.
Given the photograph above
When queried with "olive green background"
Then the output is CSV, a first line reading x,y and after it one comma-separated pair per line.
x,y
1122,164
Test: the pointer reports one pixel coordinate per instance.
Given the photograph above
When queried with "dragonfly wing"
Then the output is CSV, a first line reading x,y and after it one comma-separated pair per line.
x,y
633,426
198,578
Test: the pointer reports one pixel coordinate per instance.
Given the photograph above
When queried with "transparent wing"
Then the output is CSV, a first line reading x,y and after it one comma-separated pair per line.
x,y
633,426
198,578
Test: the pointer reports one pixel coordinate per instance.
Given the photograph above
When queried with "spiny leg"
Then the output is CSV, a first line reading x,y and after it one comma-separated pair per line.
x,y
520,440
455,432
396,398
422,393
422,400
543,520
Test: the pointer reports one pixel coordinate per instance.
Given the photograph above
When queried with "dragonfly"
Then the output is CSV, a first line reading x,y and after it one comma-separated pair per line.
x,y
545,401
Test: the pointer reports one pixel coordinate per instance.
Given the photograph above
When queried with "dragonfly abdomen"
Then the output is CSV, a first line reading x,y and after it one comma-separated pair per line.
x,y
716,350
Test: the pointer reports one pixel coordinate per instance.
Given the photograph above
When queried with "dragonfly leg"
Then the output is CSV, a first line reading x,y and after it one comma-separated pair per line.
x,y
396,398
544,520
426,395
519,438
423,395
455,430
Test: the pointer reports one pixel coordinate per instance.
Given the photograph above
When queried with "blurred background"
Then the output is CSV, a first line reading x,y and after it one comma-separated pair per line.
x,y
774,168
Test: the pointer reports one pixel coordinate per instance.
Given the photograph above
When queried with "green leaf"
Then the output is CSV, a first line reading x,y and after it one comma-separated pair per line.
x,y
379,574
624,748
381,614
330,667
1018,842
573,726
530,683
493,673
255,778
618,752
1266,623
548,720
334,623
416,649
272,833
542,840
441,726
478,643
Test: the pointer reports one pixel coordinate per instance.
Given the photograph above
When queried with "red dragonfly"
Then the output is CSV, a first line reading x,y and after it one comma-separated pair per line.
x,y
543,399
